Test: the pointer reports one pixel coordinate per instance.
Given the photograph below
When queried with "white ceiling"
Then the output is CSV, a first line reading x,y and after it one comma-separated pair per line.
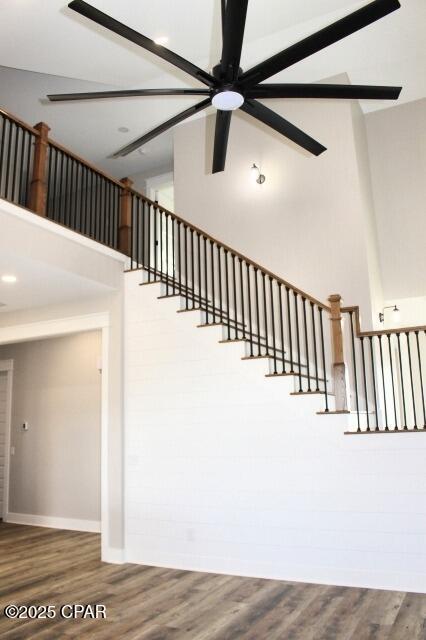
x,y
41,284
65,53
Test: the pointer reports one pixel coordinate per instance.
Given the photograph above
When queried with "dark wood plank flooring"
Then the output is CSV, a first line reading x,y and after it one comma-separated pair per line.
x,y
46,566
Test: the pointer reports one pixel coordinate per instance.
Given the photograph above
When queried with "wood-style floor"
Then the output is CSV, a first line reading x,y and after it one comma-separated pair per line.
x,y
46,566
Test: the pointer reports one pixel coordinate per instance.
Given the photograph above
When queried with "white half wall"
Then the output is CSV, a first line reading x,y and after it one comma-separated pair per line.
x,y
226,472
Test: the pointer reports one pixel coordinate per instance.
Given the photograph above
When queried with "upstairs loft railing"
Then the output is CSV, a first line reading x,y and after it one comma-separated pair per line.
x,y
379,376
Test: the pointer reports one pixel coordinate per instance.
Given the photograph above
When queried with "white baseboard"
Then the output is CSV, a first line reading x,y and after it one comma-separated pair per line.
x,y
72,524
113,555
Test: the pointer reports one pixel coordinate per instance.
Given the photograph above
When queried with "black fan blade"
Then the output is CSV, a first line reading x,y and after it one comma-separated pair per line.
x,y
121,29
223,120
275,121
233,34
162,127
323,38
350,91
127,93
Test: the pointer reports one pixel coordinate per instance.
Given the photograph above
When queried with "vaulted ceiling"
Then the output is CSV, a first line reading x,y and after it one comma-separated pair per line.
x,y
47,48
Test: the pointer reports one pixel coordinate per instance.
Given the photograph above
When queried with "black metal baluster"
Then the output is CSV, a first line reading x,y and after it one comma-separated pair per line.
x,y
249,307
49,184
136,234
21,171
383,383
2,150
219,275
364,375
160,213
355,371
314,340
290,337
323,359
274,346
257,311
299,364
27,169
185,261
393,383
200,285
73,195
265,315
148,237
280,302
212,281
8,162
234,284
179,258
173,255
192,269
411,380
243,320
373,374
228,311
155,224
167,254
421,379
16,161
206,281
82,198
405,427
305,329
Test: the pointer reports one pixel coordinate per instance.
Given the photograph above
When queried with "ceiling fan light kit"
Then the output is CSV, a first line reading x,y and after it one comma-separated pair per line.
x,y
228,88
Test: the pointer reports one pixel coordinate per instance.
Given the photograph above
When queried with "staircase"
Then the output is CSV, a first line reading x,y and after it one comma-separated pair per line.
x,y
377,375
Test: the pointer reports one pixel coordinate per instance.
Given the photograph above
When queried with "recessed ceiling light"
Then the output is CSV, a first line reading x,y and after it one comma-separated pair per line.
x,y
8,279
123,129
161,40
143,151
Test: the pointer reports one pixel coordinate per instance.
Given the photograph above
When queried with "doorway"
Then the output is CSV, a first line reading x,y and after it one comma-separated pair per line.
x,y
53,457
6,372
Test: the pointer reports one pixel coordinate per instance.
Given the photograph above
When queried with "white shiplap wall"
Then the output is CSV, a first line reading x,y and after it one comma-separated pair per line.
x,y
226,472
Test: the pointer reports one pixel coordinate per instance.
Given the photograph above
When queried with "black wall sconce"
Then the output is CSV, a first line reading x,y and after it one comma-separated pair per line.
x,y
395,311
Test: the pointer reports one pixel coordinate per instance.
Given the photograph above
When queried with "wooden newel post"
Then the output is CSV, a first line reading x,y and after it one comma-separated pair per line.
x,y
339,369
125,228
38,188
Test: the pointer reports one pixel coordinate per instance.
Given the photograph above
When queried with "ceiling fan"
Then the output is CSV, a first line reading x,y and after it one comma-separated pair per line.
x,y
228,88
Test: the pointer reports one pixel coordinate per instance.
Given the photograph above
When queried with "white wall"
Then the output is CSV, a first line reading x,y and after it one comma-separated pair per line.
x,y
226,472
307,222
397,148
55,470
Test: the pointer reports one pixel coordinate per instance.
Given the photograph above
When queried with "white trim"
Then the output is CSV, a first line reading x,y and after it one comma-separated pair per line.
x,y
104,440
7,365
49,328
73,524
113,555
27,216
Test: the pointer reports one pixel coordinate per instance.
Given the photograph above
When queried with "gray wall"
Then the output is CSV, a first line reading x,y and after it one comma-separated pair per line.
x,y
57,389
397,149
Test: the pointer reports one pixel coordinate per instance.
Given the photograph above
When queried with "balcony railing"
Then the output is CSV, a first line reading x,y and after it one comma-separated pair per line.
x,y
377,376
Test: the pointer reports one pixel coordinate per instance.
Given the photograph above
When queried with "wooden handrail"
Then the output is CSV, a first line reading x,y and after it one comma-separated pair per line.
x,y
90,166
225,247
19,122
381,332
